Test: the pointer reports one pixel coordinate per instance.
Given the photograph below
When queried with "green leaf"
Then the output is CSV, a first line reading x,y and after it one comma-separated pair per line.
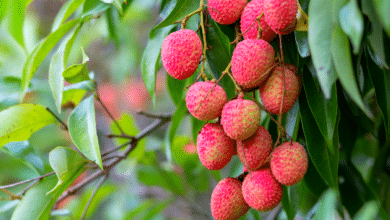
x,y
351,21
176,89
219,56
325,162
70,42
36,205
327,206
184,158
151,59
74,93
19,122
287,204
181,9
112,24
382,10
82,130
40,52
15,167
319,38
56,80
368,211
93,7
78,72
65,12
324,110
68,165
177,117
14,19
301,40
342,60
197,125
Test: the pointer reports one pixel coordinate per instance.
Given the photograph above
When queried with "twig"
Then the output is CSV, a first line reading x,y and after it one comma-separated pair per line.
x,y
115,149
93,195
149,115
27,181
125,136
28,187
108,112
13,196
57,118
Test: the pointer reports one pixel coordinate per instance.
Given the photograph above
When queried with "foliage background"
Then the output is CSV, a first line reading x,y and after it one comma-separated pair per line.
x,y
342,116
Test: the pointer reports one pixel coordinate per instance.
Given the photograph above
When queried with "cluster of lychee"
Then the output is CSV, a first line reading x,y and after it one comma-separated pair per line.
x,y
237,129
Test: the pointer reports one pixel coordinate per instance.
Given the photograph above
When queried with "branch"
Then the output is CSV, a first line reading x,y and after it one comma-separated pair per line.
x,y
27,181
57,118
93,195
109,114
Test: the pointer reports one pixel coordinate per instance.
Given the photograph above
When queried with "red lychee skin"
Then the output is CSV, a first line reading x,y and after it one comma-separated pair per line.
x,y
181,52
271,91
240,118
289,163
252,10
226,11
280,15
227,201
205,100
214,147
250,61
261,190
254,151
190,148
292,68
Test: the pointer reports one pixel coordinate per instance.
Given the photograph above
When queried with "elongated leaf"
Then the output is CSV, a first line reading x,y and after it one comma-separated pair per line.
x,y
319,36
382,8
11,166
324,110
92,7
70,42
325,162
39,54
341,55
68,165
351,21
176,89
65,12
368,211
151,59
181,9
287,204
14,19
56,80
82,130
327,206
19,122
301,40
78,72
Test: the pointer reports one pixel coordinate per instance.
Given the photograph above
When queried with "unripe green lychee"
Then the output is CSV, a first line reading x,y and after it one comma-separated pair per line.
x,y
271,91
181,52
250,61
240,118
205,100
254,151
226,11
280,15
261,190
289,163
227,201
249,25
215,148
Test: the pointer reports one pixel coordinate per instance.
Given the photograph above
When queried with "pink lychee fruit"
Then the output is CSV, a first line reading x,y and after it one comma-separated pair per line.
x,y
291,67
250,61
215,148
271,91
240,118
289,163
261,190
280,15
226,11
227,201
205,100
190,148
254,151
249,25
181,52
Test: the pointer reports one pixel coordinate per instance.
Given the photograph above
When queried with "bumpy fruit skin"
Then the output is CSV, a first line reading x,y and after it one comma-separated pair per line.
x,y
251,11
180,53
250,61
226,11
254,151
271,91
240,118
289,163
205,100
261,190
280,15
215,148
227,201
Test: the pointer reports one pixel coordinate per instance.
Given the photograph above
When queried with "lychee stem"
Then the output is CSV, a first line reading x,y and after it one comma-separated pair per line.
x,y
284,89
260,30
203,75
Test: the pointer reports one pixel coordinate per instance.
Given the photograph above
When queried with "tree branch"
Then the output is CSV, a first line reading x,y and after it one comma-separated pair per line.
x,y
27,181
93,195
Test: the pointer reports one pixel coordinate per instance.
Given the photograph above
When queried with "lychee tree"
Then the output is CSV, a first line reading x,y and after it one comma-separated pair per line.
x,y
183,109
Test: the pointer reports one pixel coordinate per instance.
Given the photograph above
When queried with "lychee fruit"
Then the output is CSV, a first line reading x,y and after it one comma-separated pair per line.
x,y
250,61
289,163
249,25
280,15
254,151
271,91
205,100
215,148
227,201
181,52
240,118
261,190
225,11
